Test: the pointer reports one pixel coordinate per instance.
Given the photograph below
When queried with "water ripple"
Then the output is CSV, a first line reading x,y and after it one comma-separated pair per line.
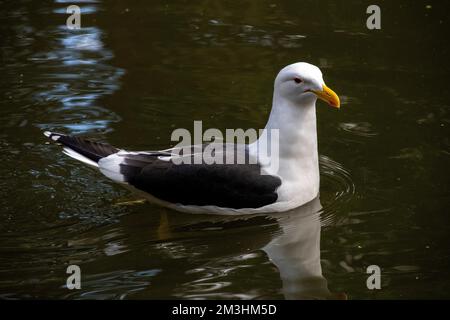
x,y
337,188
362,129
74,75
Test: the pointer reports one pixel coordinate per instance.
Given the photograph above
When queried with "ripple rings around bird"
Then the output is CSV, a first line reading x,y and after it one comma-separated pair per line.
x,y
337,189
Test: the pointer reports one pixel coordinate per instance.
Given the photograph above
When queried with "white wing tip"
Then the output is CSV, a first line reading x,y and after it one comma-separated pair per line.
x,y
52,135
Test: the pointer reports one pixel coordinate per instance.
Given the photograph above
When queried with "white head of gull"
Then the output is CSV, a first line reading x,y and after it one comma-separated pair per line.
x,y
296,90
224,188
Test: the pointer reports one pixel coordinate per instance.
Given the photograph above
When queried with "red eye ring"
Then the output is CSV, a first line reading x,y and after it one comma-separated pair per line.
x,y
298,80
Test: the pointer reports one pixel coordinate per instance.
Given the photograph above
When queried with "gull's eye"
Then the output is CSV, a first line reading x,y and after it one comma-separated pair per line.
x,y
298,80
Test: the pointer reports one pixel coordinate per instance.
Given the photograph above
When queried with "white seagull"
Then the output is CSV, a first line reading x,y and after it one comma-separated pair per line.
x,y
246,188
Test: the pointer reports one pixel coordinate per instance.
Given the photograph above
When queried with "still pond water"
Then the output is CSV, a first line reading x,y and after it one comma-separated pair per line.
x,y
136,70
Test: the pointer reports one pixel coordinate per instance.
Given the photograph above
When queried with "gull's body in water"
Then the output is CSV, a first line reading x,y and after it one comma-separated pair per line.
x,y
229,188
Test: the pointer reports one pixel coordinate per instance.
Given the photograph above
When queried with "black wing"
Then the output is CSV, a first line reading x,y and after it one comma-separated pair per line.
x,y
224,185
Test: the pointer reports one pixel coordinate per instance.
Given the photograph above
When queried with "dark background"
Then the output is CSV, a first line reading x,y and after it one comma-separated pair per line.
x,y
139,69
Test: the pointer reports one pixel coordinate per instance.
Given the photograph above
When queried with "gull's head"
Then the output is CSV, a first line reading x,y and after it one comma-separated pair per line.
x,y
302,83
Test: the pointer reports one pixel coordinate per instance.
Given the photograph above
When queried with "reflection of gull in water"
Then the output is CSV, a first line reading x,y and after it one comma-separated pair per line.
x,y
294,248
296,253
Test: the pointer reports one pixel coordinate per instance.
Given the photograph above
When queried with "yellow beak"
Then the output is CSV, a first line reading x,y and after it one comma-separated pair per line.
x,y
329,96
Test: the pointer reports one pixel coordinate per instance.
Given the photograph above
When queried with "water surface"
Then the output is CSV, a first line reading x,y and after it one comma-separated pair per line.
x,y
137,70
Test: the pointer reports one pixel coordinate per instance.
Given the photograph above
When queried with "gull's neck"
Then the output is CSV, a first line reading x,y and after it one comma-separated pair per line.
x,y
297,145
296,125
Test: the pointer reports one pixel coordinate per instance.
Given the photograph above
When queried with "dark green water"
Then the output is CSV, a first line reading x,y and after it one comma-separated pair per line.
x,y
139,69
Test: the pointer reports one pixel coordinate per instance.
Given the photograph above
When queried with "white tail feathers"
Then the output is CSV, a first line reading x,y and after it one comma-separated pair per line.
x,y
73,154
